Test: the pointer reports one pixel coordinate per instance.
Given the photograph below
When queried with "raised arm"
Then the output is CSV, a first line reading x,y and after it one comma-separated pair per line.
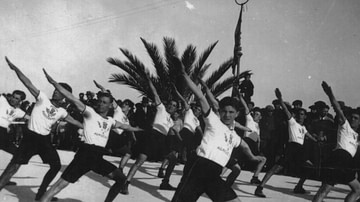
x,y
186,104
205,107
209,95
279,97
79,105
153,90
104,90
25,80
340,114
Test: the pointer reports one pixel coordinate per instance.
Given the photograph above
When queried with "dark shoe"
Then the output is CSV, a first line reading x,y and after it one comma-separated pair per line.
x,y
10,183
166,186
161,173
300,190
37,198
259,193
255,180
125,188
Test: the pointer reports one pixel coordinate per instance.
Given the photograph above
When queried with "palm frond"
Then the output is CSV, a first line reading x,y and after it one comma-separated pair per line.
x,y
123,66
130,82
222,86
156,58
139,66
219,72
203,57
188,58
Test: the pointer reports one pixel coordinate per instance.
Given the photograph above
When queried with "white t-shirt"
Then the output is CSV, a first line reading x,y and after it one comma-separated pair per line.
x,y
190,121
8,113
218,140
96,128
251,124
120,117
296,131
347,139
44,115
163,121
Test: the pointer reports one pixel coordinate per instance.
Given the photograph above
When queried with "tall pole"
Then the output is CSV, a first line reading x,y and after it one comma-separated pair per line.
x,y
237,37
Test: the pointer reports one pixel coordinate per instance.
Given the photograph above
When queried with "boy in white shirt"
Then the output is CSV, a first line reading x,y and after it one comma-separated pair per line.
x,y
156,137
202,173
9,111
342,157
36,139
97,126
294,149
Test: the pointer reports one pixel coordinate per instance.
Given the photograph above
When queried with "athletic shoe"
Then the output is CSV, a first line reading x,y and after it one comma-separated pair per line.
x,y
259,193
161,173
300,190
125,188
53,198
255,180
11,183
166,186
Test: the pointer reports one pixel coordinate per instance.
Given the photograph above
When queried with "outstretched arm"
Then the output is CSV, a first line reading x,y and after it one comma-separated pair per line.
x,y
25,80
279,97
242,101
205,107
103,89
79,105
153,90
186,104
340,115
127,127
210,96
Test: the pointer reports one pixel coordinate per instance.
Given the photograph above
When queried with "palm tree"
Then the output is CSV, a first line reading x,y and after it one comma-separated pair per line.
x,y
166,73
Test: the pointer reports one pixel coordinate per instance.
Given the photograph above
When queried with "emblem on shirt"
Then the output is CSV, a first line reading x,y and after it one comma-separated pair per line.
x,y
50,113
10,113
102,125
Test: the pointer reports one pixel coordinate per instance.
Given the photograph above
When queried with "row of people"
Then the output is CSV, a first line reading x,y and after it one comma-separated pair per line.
x,y
213,149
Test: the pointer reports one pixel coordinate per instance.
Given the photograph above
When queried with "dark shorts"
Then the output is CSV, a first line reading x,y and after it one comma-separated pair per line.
x,y
5,141
338,168
88,157
293,157
119,145
155,146
174,143
252,145
190,140
203,176
32,144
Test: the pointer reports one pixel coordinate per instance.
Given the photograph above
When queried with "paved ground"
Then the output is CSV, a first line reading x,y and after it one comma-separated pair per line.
x,y
93,188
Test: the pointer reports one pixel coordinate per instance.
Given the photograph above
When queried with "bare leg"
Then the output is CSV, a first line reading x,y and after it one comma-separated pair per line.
x,y
322,192
259,167
119,178
235,172
355,191
124,161
9,171
139,161
56,188
275,169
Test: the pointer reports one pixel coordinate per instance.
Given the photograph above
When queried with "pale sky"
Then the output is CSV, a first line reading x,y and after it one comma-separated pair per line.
x,y
289,44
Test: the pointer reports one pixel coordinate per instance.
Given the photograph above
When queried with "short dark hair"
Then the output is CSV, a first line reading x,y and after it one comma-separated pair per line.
x,y
229,101
128,102
297,102
21,93
298,110
100,95
66,86
355,111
